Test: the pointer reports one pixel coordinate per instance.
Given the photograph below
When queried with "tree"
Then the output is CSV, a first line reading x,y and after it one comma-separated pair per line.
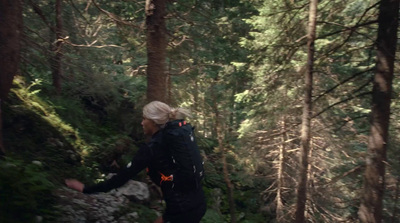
x,y
223,151
56,61
280,217
10,34
156,50
374,177
307,113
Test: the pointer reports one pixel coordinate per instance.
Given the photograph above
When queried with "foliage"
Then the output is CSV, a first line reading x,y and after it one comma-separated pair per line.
x,y
25,191
244,59
212,216
111,154
145,214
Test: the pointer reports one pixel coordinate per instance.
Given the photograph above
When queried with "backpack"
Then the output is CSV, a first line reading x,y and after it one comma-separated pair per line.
x,y
178,137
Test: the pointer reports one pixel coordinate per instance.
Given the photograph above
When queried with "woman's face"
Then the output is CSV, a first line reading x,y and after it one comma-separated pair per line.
x,y
149,126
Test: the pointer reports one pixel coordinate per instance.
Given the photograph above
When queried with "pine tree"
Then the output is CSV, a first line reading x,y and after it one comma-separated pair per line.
x,y
374,178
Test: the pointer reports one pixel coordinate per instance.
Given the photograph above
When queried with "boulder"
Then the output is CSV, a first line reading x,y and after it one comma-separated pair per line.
x,y
76,207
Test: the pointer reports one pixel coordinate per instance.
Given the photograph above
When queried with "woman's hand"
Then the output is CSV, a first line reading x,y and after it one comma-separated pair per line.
x,y
74,184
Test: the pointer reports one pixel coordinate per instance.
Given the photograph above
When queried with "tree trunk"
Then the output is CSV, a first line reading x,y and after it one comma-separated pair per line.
x,y
374,177
396,198
10,35
2,148
306,119
282,156
232,207
223,151
56,62
169,99
156,50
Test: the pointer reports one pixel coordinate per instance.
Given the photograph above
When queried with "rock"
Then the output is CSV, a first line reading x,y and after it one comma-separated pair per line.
x,y
39,219
36,162
134,191
102,207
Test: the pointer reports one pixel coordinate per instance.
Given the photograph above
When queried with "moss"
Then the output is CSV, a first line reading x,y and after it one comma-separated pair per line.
x,y
25,191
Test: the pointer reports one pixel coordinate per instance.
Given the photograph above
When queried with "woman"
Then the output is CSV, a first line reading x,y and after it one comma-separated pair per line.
x,y
182,205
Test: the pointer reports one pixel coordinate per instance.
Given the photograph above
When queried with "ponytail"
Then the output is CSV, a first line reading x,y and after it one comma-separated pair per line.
x,y
161,113
178,113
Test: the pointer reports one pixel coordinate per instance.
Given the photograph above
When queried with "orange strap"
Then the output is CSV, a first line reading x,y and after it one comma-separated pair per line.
x,y
166,178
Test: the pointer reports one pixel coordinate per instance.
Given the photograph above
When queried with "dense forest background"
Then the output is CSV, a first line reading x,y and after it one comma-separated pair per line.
x,y
83,70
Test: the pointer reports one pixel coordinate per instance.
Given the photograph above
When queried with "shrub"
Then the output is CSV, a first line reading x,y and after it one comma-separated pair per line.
x,y
25,191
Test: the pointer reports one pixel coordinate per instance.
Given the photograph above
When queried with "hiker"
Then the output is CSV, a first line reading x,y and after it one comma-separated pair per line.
x,y
183,193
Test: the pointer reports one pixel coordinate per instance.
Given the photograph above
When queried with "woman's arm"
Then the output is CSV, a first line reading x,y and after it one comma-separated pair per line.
x,y
140,161
75,184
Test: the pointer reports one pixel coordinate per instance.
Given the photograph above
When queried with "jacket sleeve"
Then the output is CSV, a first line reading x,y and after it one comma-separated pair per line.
x,y
140,161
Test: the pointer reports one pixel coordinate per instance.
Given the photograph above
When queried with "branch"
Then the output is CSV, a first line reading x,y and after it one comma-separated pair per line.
x,y
342,82
357,25
76,9
288,10
137,71
340,102
38,11
335,179
90,45
114,17
351,28
349,120
187,69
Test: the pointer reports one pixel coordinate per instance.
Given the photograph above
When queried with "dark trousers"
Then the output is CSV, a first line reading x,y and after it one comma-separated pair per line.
x,y
192,216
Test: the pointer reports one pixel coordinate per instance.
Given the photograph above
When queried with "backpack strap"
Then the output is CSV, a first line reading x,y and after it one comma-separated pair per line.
x,y
176,123
166,178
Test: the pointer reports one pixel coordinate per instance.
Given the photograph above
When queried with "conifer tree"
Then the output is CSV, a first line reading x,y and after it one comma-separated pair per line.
x,y
156,50
10,45
307,114
374,177
56,60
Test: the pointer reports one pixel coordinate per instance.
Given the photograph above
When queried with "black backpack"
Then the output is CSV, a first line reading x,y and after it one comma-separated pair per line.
x,y
178,136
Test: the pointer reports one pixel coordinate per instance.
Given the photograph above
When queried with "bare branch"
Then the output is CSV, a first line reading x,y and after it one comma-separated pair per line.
x,y
354,170
90,45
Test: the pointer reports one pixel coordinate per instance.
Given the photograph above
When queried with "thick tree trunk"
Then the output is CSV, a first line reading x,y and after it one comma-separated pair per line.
x,y
156,50
306,119
10,35
2,149
374,178
56,62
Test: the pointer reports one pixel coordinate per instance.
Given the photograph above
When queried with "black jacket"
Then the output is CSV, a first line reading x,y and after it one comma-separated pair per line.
x,y
155,156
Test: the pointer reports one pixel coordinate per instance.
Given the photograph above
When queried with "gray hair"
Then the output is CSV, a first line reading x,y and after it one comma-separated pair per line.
x,y
162,113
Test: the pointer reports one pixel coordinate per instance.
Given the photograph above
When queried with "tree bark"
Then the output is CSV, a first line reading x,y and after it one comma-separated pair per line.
x,y
306,119
396,198
10,35
56,62
223,151
281,164
374,177
156,50
2,148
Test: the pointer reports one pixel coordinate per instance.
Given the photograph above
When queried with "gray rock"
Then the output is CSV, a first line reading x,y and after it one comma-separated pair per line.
x,y
100,208
134,191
